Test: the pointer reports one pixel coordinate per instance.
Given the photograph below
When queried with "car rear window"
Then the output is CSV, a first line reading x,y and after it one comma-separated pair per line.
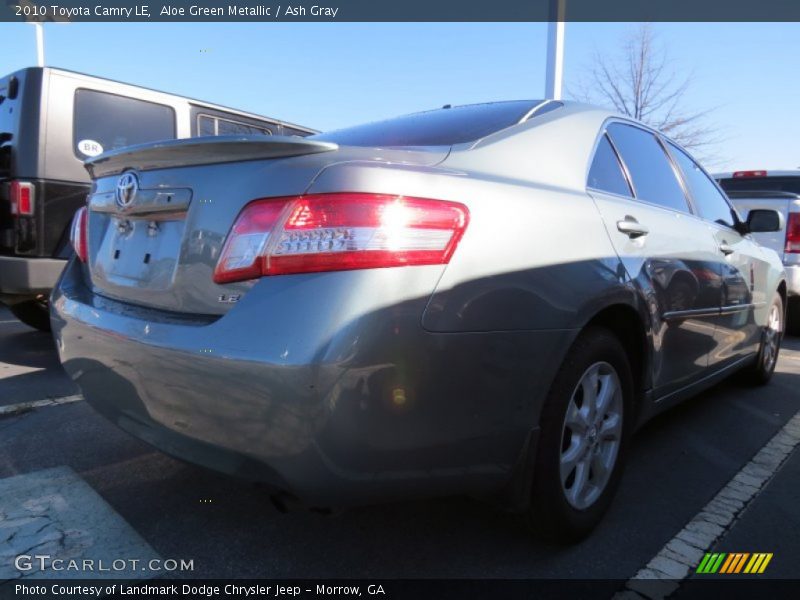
x,y
105,122
761,184
441,127
654,180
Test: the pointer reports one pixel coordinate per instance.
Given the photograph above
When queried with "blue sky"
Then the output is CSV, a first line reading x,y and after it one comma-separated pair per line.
x,y
330,75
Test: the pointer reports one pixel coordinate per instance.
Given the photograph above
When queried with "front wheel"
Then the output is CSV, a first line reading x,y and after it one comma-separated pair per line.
x,y
761,371
34,313
585,426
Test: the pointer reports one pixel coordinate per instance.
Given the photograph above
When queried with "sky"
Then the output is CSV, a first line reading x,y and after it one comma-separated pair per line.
x,y
331,75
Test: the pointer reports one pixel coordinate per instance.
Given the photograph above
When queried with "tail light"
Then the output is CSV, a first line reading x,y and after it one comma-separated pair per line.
x,y
740,174
793,234
336,232
22,197
78,233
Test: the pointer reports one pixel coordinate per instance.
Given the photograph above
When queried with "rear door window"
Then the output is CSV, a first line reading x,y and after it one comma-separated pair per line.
x,y
654,180
707,198
606,173
104,122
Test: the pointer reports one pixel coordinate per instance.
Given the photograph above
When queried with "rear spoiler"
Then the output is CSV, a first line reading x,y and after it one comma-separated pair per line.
x,y
762,194
201,151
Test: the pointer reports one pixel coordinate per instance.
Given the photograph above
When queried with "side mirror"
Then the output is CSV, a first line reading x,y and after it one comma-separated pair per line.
x,y
760,220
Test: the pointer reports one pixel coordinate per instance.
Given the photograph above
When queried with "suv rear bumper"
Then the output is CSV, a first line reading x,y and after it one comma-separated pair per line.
x,y
792,280
21,276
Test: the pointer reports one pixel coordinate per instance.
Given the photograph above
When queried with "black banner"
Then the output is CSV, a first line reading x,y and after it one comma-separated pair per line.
x,y
397,589
399,10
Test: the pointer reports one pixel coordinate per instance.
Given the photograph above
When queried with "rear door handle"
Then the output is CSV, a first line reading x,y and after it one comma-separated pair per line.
x,y
632,228
725,249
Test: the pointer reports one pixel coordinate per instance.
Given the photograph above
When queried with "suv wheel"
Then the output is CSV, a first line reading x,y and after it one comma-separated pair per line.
x,y
34,313
585,429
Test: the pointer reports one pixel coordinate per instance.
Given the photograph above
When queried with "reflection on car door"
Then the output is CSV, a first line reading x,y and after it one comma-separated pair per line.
x,y
741,266
670,254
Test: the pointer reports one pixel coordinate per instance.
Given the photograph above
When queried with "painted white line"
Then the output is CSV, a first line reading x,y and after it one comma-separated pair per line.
x,y
680,556
25,406
56,514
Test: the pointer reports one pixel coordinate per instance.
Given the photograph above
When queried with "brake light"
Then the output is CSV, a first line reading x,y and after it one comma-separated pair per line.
x,y
336,232
78,233
739,174
793,234
22,196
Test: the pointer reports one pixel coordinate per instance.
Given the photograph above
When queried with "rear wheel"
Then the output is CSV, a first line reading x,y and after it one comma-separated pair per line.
x,y
34,313
585,425
761,371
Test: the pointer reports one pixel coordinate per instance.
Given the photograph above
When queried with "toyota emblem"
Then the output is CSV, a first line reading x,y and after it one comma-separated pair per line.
x,y
127,186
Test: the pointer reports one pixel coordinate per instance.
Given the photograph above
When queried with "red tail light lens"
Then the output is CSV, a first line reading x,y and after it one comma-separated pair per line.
x,y
740,174
22,196
793,234
78,233
336,232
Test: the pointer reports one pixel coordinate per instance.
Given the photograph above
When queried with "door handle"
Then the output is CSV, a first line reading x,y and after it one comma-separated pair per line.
x,y
725,249
632,228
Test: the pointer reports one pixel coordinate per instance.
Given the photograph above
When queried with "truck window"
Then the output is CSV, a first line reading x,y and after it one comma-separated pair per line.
x,y
762,184
104,122
210,125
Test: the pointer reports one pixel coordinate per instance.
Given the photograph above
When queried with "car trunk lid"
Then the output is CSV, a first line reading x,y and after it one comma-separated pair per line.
x,y
159,214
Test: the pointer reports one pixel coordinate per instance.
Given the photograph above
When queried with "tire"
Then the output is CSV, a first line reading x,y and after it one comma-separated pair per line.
x,y
34,313
793,316
561,510
760,372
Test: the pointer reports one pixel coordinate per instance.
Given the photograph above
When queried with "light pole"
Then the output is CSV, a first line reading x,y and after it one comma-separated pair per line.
x,y
555,50
39,43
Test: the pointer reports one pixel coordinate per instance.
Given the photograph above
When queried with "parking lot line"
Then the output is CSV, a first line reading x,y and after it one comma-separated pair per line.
x,y
682,554
55,515
21,407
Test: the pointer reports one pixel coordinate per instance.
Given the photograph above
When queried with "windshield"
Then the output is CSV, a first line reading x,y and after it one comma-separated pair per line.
x,y
441,127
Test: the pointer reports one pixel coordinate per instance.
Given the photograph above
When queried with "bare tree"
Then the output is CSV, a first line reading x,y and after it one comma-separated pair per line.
x,y
640,83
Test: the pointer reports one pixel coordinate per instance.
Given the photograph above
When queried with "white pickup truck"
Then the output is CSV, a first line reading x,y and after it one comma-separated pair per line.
x,y
777,190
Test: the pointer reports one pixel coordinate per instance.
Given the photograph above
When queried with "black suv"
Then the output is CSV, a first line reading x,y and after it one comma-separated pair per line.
x,y
51,120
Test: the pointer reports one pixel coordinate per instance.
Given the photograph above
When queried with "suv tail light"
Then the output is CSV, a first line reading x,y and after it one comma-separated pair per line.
x,y
77,235
336,232
740,174
793,234
22,197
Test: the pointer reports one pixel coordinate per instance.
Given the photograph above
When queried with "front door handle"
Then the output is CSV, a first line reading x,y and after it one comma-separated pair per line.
x,y
632,228
725,249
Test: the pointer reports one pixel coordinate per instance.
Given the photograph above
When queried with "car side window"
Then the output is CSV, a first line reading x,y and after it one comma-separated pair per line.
x,y
710,203
650,169
606,173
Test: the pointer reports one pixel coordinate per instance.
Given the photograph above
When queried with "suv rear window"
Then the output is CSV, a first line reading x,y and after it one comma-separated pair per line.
x,y
761,184
441,127
105,122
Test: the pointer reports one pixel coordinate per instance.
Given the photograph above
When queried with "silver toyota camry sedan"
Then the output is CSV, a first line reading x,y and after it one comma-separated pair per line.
x,y
483,299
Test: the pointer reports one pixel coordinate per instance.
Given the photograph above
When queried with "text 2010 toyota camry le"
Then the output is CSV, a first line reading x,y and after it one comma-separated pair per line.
x,y
485,299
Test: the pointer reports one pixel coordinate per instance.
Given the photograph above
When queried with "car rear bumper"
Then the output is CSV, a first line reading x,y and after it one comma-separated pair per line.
x,y
348,413
20,276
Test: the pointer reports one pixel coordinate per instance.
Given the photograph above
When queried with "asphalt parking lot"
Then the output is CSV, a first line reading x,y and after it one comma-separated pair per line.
x,y
158,506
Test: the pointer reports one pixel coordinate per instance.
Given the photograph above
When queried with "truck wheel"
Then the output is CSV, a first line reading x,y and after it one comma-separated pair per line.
x,y
34,313
585,426
793,316
761,371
